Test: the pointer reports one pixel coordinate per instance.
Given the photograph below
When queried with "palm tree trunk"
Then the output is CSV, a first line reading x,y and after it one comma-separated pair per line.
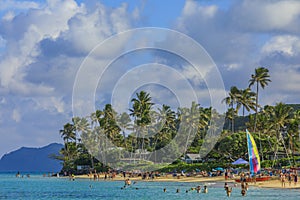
x,y
256,105
124,140
92,161
260,147
232,123
255,121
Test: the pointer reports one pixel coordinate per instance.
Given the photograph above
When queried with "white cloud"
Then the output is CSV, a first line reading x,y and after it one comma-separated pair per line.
x,y
249,34
287,44
16,115
13,4
192,7
51,104
23,50
9,16
268,15
41,50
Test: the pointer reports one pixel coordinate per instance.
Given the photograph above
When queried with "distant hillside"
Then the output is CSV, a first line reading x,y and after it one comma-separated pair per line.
x,y
240,121
294,106
32,159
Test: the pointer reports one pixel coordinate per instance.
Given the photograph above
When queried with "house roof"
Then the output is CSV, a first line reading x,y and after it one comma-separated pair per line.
x,y
193,156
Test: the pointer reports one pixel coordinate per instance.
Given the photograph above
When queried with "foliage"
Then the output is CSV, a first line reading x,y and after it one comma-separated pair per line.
x,y
274,128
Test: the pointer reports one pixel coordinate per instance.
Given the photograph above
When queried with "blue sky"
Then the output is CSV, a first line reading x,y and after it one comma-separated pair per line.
x,y
43,44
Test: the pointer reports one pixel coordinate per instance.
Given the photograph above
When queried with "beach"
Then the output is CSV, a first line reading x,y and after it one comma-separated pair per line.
x,y
274,183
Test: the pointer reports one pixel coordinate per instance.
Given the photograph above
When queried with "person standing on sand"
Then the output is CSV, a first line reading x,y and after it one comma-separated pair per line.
x,y
290,179
282,179
243,178
295,179
254,178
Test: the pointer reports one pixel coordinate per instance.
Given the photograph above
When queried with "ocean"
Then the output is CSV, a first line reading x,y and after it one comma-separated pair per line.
x,y
39,187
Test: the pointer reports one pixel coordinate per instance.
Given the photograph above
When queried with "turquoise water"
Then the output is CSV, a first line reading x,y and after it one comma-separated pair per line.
x,y
38,187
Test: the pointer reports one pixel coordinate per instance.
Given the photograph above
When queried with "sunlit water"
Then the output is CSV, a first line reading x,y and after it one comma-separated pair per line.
x,y
38,187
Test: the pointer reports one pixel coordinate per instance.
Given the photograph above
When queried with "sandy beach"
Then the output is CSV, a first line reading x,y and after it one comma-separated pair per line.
x,y
273,183
276,184
168,178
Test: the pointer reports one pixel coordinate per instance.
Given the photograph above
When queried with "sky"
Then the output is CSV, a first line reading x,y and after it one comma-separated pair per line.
x,y
44,45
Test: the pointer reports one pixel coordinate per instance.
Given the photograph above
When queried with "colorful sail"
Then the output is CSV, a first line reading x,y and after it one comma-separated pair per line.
x,y
254,160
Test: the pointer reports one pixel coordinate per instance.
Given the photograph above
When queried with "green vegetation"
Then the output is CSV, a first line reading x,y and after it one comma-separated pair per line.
x,y
143,129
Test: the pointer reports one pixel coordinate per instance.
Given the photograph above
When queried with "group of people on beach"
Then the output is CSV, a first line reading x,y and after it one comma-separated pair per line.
x,y
288,176
106,175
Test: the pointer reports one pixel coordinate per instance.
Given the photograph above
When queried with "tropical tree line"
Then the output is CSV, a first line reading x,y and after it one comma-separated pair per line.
x,y
144,130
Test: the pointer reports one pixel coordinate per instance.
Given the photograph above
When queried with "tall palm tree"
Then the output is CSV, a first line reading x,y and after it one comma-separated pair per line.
x,y
69,136
163,129
260,78
141,108
246,99
109,124
293,131
279,116
166,127
68,133
189,124
231,100
124,124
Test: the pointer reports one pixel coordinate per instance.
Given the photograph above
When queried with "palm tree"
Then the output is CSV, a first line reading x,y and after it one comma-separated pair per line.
x,y
293,131
124,124
260,78
166,127
189,124
279,116
230,100
68,133
69,136
141,108
109,124
246,99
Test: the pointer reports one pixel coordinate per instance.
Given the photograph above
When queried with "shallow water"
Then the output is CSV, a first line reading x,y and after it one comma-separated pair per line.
x,y
38,187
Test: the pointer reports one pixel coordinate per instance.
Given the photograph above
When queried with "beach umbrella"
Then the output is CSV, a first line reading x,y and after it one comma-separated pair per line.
x,y
219,169
240,161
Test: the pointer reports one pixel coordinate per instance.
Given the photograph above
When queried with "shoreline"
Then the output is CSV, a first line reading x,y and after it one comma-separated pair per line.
x,y
274,183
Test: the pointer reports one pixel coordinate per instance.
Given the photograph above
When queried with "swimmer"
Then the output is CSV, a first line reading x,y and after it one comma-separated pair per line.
x,y
228,191
165,189
246,186
177,191
198,188
243,192
127,182
225,186
205,190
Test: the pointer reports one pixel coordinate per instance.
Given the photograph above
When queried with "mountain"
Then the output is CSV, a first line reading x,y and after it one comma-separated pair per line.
x,y
32,159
